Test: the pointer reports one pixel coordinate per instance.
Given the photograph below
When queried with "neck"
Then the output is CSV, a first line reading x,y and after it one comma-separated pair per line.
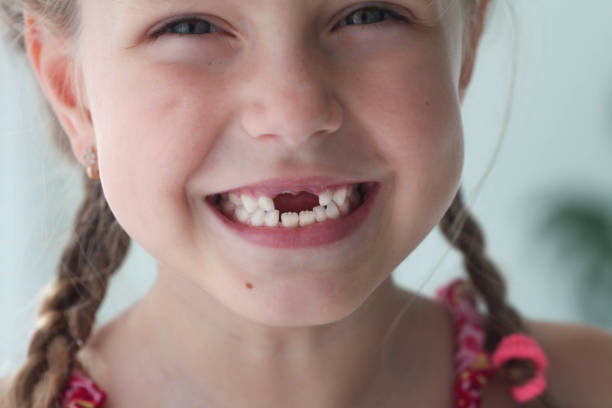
x,y
211,353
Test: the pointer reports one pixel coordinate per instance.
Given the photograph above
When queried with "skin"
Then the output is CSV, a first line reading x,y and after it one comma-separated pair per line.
x,y
281,91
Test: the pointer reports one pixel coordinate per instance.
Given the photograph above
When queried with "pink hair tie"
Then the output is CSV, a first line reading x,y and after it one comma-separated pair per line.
x,y
520,346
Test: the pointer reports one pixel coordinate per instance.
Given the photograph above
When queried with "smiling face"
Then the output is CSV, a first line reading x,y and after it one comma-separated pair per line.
x,y
275,89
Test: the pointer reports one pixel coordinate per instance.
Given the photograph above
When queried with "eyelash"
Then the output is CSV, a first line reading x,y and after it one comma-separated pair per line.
x,y
192,21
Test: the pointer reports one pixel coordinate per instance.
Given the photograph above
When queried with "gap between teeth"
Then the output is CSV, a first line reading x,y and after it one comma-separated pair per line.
x,y
260,211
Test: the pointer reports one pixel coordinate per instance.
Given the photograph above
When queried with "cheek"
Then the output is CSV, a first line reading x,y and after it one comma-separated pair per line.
x,y
427,144
154,127
410,104
406,96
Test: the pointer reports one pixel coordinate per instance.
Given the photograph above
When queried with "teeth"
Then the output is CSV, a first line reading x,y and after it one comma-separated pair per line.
x,y
272,217
227,207
242,214
319,213
235,199
266,203
258,218
306,218
332,211
290,219
248,202
261,211
340,196
326,198
345,207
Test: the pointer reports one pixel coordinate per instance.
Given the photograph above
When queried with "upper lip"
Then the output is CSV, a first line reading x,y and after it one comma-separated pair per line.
x,y
311,184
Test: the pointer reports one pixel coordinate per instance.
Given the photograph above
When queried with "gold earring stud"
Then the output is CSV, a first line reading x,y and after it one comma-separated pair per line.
x,y
91,161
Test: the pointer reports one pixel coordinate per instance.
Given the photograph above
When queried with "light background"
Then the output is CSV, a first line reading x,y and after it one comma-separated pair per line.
x,y
559,139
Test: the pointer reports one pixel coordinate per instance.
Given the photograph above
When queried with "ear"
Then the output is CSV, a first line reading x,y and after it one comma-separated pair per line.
x,y
60,78
475,24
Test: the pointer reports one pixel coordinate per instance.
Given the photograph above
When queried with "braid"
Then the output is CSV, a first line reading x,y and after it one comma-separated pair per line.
x,y
464,233
97,248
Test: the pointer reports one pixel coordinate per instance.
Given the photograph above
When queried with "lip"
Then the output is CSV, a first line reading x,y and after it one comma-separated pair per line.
x,y
274,186
316,234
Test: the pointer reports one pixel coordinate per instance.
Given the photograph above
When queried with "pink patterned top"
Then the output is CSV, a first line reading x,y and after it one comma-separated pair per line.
x,y
473,365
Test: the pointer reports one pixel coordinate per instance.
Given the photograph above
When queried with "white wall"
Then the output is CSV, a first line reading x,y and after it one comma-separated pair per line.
x,y
559,138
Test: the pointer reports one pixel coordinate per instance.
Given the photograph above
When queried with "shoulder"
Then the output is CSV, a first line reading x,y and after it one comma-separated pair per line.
x,y
580,362
579,370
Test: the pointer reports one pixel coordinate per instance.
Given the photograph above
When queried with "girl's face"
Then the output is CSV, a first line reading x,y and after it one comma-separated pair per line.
x,y
283,89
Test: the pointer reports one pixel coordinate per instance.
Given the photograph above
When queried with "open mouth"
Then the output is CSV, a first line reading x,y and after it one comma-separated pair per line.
x,y
291,209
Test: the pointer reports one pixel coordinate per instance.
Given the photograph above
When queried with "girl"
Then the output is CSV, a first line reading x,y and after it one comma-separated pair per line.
x,y
279,159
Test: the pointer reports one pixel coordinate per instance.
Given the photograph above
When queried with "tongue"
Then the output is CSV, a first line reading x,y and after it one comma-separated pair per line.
x,y
295,203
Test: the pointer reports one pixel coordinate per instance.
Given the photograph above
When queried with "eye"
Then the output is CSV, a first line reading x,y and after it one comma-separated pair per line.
x,y
371,15
191,25
186,26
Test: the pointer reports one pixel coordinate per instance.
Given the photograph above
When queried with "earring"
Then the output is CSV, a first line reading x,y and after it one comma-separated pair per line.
x,y
91,160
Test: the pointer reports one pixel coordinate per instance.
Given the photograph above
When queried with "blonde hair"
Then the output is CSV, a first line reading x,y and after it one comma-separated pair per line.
x,y
99,245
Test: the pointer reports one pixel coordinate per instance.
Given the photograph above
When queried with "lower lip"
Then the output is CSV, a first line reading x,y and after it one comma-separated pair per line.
x,y
316,234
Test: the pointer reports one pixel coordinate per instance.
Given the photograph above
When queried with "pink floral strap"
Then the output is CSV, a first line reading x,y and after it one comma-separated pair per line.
x,y
82,392
473,366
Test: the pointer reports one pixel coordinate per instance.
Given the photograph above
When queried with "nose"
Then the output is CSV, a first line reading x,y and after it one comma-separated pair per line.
x,y
290,98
